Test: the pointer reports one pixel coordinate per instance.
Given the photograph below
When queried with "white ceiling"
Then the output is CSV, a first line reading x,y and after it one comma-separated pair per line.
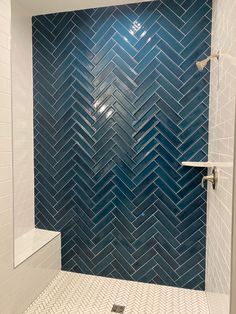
x,y
36,7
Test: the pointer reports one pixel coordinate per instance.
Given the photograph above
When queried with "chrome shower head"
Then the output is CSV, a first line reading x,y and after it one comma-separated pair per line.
x,y
203,63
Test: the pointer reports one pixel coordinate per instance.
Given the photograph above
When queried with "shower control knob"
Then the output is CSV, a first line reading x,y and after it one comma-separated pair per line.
x,y
211,178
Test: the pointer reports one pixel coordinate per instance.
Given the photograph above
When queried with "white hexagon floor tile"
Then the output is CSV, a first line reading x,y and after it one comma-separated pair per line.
x,y
71,293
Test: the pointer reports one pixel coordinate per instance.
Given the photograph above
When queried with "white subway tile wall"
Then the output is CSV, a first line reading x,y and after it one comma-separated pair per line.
x,y
20,286
221,149
22,104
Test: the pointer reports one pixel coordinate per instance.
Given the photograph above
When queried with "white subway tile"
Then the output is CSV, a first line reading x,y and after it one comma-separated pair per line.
x,y
5,115
5,130
221,134
19,286
5,159
5,101
5,56
6,144
5,173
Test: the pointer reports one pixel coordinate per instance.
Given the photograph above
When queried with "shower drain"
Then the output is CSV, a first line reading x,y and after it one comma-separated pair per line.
x,y
118,309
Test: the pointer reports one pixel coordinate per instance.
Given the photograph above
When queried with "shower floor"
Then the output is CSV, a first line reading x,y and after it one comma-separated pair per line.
x,y
83,294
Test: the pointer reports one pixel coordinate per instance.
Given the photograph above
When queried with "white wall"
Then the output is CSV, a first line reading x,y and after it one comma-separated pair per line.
x,y
22,113
18,287
52,6
221,149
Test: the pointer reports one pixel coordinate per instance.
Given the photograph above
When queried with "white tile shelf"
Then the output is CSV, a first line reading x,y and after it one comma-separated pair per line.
x,y
30,242
197,164
207,164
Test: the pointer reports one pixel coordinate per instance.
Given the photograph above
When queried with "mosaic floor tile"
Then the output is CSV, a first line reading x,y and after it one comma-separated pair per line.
x,y
85,294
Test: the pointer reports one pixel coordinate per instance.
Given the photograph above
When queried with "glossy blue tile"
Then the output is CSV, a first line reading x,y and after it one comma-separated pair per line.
x,y
118,104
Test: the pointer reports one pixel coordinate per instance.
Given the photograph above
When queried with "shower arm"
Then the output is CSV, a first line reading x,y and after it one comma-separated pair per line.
x,y
216,55
203,63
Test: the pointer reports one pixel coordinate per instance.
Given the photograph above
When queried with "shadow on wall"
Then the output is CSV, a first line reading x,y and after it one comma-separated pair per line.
x,y
118,104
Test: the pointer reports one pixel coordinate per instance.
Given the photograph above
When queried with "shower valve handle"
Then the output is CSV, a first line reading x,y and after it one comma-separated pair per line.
x,y
211,178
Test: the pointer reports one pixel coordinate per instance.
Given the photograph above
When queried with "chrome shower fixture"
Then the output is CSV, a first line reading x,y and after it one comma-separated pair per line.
x,y
203,63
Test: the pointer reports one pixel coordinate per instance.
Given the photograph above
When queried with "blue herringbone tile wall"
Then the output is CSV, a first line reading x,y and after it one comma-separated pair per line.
x,y
118,105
